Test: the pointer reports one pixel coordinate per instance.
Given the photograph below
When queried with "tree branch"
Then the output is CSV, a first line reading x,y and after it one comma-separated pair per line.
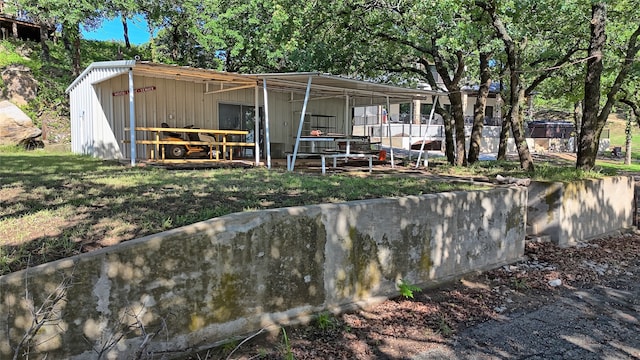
x,y
632,50
547,74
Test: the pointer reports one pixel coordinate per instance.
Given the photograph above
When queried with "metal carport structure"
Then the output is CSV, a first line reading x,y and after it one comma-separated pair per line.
x,y
317,85
302,87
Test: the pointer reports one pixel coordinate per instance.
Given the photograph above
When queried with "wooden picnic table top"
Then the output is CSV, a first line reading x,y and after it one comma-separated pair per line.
x,y
192,130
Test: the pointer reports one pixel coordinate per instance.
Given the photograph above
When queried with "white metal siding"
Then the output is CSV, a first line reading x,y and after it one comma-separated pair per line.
x,y
87,118
101,130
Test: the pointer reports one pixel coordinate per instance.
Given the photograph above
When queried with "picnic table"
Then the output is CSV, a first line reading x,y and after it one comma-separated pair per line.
x,y
214,139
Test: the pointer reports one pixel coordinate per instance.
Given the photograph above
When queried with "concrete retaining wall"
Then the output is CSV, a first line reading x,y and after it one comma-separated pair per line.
x,y
233,275
580,210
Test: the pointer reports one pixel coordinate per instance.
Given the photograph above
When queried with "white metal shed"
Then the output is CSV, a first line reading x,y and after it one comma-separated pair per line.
x,y
109,98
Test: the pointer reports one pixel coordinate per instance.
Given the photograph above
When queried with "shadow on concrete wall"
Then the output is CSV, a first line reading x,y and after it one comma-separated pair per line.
x,y
194,286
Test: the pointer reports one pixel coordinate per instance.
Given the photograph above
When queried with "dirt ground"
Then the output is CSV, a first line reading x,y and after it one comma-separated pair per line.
x,y
402,328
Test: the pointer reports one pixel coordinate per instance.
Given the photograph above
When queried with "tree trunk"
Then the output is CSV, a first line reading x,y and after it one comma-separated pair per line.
x,y
505,129
504,138
152,44
479,109
77,59
516,100
125,29
516,92
457,112
627,143
594,118
449,144
517,128
44,37
591,129
175,43
577,121
71,40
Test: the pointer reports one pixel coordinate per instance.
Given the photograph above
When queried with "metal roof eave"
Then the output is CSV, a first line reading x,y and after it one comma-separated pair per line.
x,y
100,65
144,68
189,73
331,84
322,83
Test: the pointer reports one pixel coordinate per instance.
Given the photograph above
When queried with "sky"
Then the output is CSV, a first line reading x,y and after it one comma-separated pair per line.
x,y
112,30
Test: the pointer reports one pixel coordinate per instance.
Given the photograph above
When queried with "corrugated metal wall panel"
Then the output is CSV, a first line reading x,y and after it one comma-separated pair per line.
x,y
85,112
280,117
178,103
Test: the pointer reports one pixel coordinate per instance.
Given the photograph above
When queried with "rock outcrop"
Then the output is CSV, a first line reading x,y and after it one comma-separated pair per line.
x,y
16,128
20,85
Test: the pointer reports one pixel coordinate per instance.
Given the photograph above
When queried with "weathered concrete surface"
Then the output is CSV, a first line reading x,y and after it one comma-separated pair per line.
x,y
597,323
580,210
206,282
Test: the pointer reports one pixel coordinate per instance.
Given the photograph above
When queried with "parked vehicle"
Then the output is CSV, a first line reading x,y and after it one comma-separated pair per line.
x,y
181,151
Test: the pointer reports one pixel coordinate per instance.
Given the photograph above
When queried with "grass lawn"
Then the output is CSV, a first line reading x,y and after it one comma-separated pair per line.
x,y
617,135
54,205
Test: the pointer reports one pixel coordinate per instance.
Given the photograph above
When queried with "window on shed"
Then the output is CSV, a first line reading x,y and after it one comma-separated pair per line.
x,y
236,117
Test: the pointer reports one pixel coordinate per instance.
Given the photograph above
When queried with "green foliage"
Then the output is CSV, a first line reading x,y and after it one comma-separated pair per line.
x,y
11,149
407,289
548,172
325,321
228,347
286,346
10,56
520,283
443,327
55,76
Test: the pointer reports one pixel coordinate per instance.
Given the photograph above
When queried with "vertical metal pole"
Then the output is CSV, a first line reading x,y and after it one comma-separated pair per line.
x,y
379,112
393,165
347,118
434,101
132,118
267,136
256,126
304,110
410,128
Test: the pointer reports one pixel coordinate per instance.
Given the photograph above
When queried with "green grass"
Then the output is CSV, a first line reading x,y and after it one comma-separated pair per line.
x,y
617,135
56,204
562,171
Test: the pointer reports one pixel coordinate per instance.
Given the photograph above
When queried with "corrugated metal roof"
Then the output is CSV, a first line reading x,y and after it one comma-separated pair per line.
x,y
328,84
322,84
189,73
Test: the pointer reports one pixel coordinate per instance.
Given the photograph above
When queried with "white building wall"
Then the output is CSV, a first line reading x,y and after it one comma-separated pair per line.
x,y
88,119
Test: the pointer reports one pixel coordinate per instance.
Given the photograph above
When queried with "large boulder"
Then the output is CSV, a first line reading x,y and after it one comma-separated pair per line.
x,y
20,85
16,128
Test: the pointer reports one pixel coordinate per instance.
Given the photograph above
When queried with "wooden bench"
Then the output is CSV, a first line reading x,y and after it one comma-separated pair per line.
x,y
334,156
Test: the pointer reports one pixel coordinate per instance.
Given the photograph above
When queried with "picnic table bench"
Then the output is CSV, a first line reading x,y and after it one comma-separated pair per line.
x,y
332,155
